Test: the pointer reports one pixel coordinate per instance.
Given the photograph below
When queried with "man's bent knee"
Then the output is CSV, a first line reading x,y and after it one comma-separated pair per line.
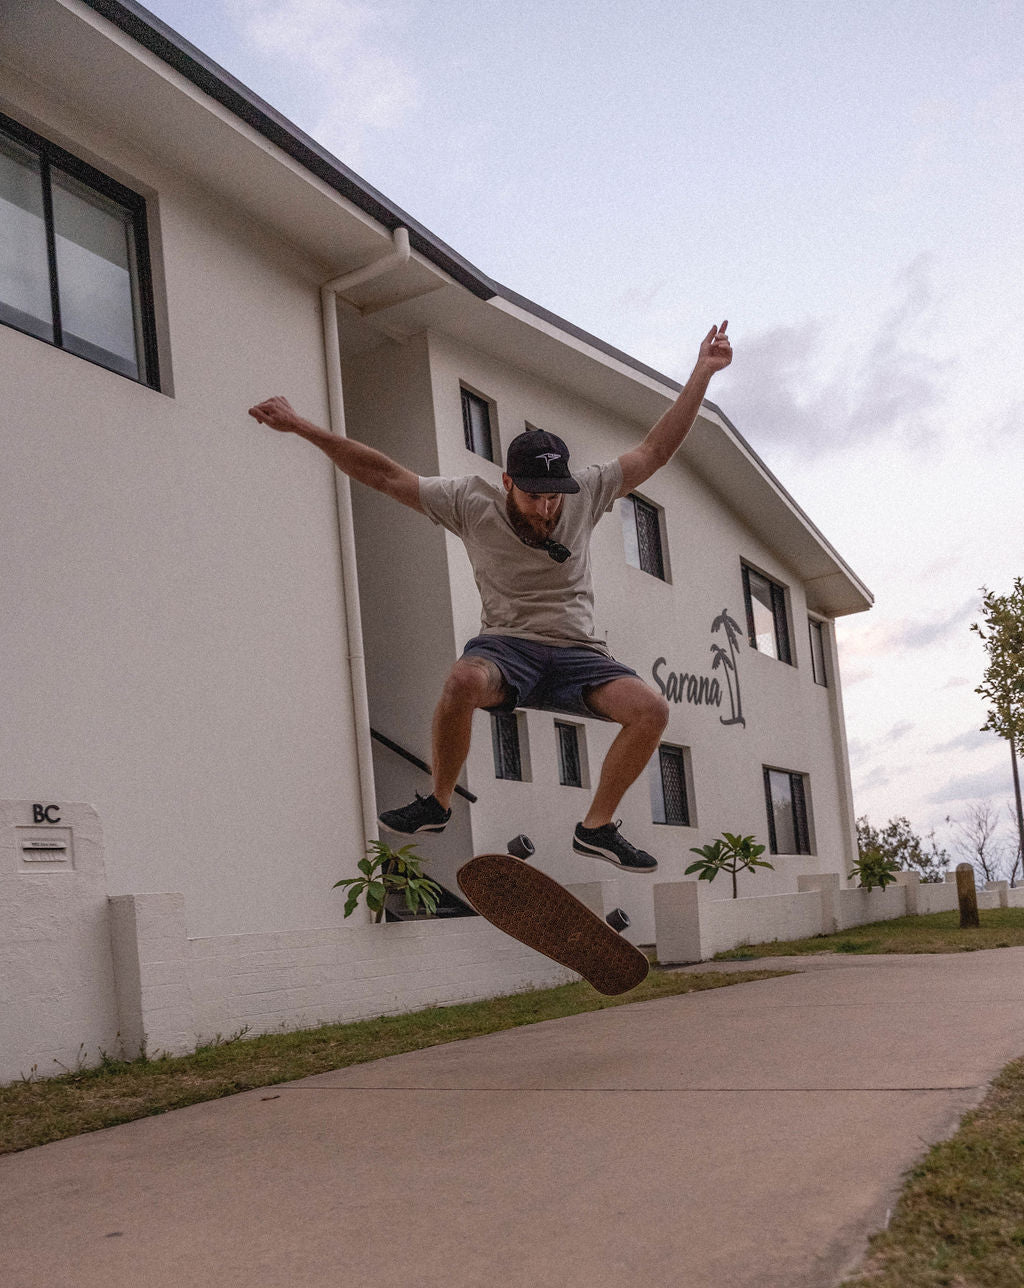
x,y
474,682
630,701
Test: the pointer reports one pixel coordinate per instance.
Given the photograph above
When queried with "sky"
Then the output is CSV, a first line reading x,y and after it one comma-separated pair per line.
x,y
842,182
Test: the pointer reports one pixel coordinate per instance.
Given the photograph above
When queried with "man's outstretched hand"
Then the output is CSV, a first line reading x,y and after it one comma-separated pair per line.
x,y
278,413
715,350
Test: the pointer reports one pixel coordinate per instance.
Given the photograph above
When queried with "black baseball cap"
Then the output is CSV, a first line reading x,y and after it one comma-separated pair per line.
x,y
539,462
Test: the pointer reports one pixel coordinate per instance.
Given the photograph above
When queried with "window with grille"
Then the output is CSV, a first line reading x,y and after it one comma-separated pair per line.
x,y
767,622
667,773
786,799
641,531
74,257
570,768
817,633
476,424
508,760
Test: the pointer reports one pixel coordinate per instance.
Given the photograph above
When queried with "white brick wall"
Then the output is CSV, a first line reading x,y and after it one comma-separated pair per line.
x,y
176,992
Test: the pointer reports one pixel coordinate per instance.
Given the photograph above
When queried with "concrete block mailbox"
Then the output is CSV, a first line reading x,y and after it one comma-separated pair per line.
x,y
57,1001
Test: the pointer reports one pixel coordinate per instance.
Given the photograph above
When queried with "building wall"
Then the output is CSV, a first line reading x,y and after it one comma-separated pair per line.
x,y
171,616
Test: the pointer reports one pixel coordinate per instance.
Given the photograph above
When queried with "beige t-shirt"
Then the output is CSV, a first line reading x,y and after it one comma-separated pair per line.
x,y
523,591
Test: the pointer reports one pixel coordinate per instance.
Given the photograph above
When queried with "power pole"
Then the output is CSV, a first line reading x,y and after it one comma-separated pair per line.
x,y
1016,792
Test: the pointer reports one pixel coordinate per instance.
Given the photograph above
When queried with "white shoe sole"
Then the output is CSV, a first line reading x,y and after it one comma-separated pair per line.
x,y
580,848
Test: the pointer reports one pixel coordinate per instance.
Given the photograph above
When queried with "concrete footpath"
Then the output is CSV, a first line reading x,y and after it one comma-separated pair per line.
x,y
750,1137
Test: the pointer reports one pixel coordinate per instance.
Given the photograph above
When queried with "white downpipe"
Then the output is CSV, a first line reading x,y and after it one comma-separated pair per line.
x,y
346,527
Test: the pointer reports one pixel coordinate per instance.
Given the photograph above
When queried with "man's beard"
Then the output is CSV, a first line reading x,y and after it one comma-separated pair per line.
x,y
533,530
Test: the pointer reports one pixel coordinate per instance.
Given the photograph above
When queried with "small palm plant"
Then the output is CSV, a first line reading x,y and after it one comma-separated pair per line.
x,y
386,870
728,854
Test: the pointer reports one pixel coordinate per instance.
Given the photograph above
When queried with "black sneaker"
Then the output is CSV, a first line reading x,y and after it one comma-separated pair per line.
x,y
423,815
607,843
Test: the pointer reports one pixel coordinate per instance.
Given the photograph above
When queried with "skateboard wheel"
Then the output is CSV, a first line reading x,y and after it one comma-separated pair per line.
x,y
520,847
617,919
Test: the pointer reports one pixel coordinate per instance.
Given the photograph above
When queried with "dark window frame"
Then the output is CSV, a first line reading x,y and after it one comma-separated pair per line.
x,y
505,743
468,401
51,155
570,758
780,615
649,539
817,628
681,817
798,787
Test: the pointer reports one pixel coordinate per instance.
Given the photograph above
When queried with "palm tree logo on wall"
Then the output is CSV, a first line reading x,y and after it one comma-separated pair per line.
x,y
723,622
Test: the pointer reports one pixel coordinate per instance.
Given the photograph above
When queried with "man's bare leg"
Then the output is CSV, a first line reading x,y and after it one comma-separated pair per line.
x,y
472,683
643,715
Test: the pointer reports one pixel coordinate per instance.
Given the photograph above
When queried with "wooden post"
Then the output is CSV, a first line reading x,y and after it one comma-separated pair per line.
x,y
967,895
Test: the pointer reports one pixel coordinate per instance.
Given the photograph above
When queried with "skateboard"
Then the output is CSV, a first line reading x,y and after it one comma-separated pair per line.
x,y
532,907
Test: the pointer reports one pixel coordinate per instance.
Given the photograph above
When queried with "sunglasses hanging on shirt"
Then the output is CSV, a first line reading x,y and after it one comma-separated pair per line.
x,y
557,552
554,549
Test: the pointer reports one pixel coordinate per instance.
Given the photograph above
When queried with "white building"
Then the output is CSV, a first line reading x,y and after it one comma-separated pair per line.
x,y
200,621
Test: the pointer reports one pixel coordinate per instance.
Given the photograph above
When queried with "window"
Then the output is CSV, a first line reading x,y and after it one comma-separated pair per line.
x,y
767,626
570,767
74,257
817,633
508,760
476,424
667,774
786,797
641,530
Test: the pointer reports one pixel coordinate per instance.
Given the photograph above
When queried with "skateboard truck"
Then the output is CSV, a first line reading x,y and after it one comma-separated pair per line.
x,y
521,847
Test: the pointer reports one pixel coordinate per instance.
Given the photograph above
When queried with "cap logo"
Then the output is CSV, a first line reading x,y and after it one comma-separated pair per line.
x,y
548,457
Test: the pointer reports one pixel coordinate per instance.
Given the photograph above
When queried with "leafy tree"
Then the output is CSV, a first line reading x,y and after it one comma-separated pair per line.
x,y
1002,633
899,844
977,840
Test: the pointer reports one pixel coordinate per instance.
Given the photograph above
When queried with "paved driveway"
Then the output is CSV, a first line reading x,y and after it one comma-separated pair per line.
x,y
749,1137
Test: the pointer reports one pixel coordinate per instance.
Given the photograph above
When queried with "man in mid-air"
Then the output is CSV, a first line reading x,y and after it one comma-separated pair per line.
x,y
529,545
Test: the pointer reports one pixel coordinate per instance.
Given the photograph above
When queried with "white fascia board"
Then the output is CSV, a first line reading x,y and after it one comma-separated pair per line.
x,y
590,347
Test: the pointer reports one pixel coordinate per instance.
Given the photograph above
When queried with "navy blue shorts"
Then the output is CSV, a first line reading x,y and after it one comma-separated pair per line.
x,y
546,677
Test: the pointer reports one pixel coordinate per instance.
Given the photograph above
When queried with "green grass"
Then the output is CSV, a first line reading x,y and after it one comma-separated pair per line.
x,y
938,933
960,1220
39,1110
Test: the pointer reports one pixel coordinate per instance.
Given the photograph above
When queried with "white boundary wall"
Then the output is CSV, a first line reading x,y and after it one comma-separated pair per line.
x,y
691,929
83,973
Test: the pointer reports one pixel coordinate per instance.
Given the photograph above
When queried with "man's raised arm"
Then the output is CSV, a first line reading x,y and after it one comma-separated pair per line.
x,y
359,462
663,440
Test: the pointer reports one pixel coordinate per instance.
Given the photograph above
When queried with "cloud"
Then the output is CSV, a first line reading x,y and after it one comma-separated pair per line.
x,y
346,53
899,731
972,740
858,750
921,634
885,387
878,777
972,787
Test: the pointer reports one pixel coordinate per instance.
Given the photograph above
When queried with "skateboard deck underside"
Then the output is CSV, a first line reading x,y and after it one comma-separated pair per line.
x,y
530,906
